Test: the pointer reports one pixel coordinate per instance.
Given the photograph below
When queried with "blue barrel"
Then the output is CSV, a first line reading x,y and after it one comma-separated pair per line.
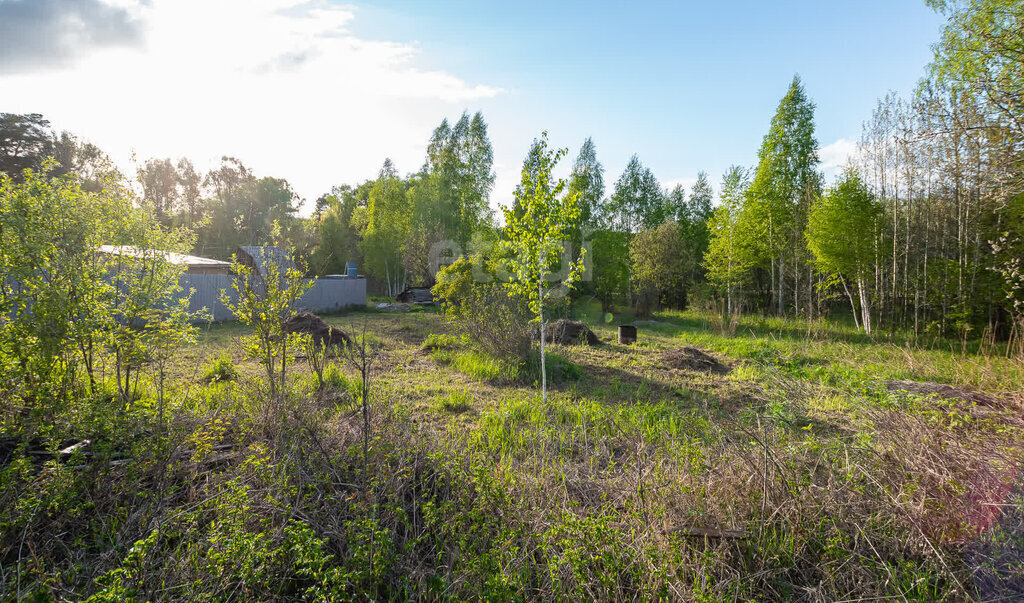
x,y
352,270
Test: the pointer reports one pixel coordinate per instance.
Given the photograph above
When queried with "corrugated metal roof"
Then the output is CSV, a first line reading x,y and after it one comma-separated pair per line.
x,y
172,257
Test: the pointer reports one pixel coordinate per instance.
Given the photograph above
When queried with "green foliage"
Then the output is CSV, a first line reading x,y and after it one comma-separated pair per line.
x,y
440,341
609,260
264,300
536,228
387,229
841,228
560,369
221,370
638,202
460,157
69,299
337,380
730,256
337,239
25,142
840,234
979,53
536,232
479,365
587,182
483,311
660,265
784,184
243,210
785,180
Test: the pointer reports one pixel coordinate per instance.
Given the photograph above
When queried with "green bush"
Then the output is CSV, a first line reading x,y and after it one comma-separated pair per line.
x,y
476,304
220,370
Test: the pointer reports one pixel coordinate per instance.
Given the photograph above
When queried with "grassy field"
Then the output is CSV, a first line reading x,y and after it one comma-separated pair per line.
x,y
793,474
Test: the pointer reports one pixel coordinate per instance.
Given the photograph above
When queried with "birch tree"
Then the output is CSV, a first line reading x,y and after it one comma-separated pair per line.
x,y
536,228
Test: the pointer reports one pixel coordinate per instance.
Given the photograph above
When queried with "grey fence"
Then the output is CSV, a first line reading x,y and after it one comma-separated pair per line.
x,y
325,296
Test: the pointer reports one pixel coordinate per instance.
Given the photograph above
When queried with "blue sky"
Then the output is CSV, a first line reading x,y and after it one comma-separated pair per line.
x,y
686,86
321,92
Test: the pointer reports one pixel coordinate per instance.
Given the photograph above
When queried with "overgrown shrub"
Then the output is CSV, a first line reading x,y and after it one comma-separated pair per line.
x,y
220,370
480,308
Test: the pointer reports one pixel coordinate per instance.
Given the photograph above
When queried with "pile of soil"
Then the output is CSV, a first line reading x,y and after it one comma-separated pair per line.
x,y
570,332
925,388
323,334
692,359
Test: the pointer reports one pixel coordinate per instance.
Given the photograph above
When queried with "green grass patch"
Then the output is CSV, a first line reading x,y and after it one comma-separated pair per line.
x,y
477,365
455,402
441,341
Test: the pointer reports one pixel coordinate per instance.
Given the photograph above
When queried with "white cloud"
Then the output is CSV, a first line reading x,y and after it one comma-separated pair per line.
x,y
282,84
836,156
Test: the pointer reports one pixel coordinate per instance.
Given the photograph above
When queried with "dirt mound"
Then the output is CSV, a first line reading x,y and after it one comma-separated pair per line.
x,y
692,359
942,390
322,333
570,332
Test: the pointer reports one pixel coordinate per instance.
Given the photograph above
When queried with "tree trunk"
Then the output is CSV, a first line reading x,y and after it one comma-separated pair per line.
x,y
853,304
782,286
865,308
543,336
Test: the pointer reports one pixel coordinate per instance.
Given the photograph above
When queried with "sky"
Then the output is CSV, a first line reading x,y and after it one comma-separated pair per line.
x,y
321,92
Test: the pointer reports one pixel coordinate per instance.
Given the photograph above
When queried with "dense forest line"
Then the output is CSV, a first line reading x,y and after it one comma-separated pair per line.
x,y
922,232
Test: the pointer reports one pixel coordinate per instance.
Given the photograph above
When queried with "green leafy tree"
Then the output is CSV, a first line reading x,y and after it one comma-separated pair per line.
x,y
159,179
785,182
53,295
263,303
535,236
676,207
337,238
980,53
659,261
638,201
25,141
840,234
696,236
190,194
83,271
587,181
387,229
460,158
610,261
148,309
244,209
730,256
